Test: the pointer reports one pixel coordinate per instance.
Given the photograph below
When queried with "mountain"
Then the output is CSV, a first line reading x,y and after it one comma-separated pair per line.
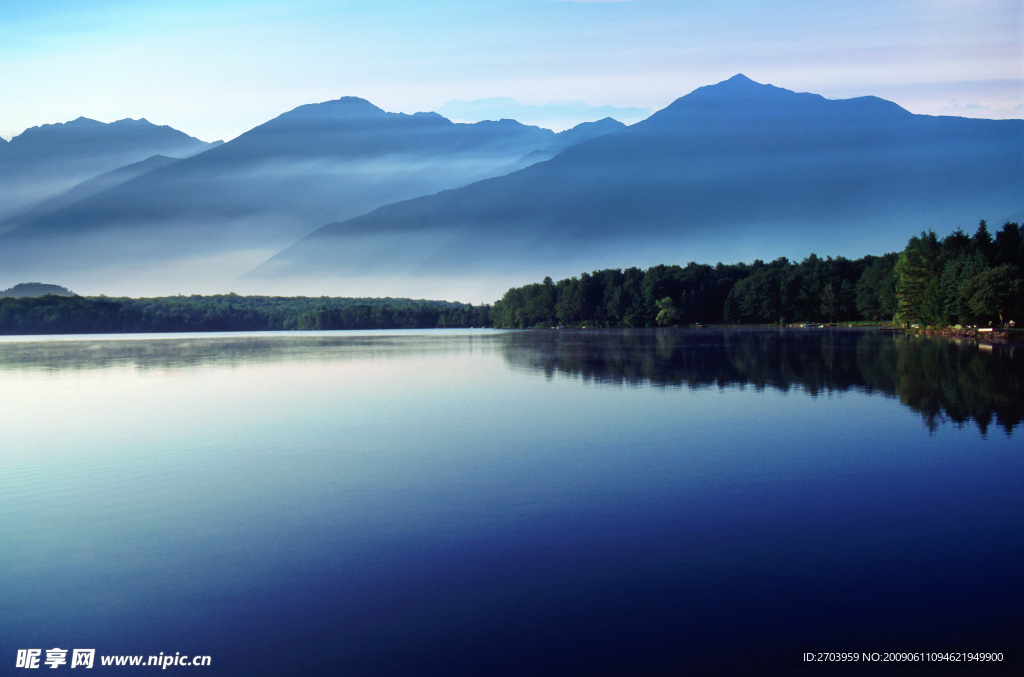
x,y
44,161
562,140
224,211
584,132
33,289
90,187
733,171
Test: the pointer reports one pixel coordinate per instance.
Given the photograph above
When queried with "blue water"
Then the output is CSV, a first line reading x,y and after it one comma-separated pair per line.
x,y
488,503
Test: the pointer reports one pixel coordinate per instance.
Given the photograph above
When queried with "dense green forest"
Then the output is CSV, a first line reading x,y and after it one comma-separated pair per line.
x,y
960,279
228,312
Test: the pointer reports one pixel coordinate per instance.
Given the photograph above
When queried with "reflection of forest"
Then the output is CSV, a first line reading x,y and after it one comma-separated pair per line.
x,y
199,350
943,380
940,379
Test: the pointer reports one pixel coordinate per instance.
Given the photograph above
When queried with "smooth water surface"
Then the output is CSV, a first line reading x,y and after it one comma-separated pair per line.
x,y
491,503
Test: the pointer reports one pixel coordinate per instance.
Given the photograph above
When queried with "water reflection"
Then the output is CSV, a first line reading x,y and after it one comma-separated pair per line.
x,y
427,503
944,381
175,351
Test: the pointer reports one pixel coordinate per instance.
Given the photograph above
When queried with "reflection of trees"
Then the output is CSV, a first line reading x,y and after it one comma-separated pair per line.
x,y
965,383
199,350
942,380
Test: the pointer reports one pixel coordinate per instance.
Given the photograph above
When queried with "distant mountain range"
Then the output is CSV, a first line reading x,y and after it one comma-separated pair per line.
x,y
44,161
93,186
233,206
417,205
733,171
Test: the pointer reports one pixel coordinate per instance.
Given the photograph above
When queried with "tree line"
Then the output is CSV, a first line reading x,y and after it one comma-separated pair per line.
x,y
228,312
960,279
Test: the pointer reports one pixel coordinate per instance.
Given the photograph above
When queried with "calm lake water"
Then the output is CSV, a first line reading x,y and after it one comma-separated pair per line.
x,y
509,503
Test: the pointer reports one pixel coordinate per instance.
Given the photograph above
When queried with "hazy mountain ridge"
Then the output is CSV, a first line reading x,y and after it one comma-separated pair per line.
x,y
84,137
734,171
90,187
353,127
554,115
46,160
570,137
242,201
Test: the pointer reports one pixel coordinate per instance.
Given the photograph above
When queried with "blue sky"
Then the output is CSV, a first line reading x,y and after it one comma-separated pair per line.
x,y
215,68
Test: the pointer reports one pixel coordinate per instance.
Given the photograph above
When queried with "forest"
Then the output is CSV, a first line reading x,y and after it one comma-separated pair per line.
x,y
53,314
957,280
961,279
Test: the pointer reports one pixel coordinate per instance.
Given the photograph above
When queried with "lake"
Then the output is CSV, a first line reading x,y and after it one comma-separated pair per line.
x,y
510,503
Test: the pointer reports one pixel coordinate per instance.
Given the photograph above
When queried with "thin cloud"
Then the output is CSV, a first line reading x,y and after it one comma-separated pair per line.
x,y
557,116
982,110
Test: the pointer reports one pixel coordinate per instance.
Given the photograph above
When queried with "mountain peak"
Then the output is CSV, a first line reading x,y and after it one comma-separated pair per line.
x,y
741,99
131,122
740,85
326,117
83,130
740,78
78,123
345,108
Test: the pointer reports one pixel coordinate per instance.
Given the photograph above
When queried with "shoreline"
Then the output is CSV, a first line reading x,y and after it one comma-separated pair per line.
x,y
979,334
